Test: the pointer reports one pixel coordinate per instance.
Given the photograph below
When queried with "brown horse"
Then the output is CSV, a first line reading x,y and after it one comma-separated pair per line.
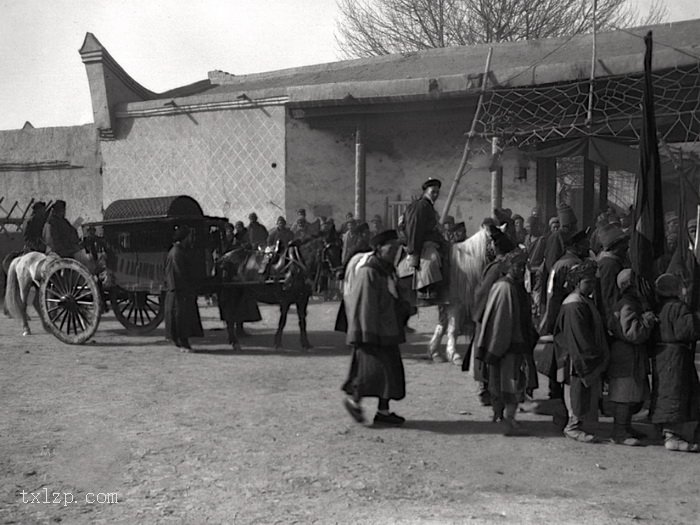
x,y
277,276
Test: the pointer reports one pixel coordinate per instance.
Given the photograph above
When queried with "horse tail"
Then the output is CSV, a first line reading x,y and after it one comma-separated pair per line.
x,y
13,297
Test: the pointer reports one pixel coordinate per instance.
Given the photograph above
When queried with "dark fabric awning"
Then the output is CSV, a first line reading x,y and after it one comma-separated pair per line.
x,y
153,208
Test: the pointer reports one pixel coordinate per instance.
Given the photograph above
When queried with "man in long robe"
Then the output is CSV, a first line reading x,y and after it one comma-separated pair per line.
x,y
557,241
182,319
506,341
375,331
675,395
581,350
492,272
425,244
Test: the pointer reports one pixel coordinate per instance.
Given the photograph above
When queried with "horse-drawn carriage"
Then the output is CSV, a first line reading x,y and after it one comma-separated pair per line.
x,y
130,253
130,247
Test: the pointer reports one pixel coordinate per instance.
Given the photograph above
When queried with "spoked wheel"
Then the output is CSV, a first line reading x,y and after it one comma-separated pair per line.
x,y
69,302
138,312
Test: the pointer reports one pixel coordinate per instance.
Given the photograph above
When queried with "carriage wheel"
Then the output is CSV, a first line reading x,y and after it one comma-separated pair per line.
x,y
69,302
139,312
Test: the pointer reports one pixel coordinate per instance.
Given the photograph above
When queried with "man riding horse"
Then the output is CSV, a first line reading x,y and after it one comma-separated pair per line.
x,y
426,246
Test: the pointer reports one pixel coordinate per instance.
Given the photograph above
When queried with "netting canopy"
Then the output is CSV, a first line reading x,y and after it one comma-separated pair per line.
x,y
528,115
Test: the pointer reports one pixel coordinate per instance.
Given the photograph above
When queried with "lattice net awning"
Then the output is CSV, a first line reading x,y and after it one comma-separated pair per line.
x,y
528,115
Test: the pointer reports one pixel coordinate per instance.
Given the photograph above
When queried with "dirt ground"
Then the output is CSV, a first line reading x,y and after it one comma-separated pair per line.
x,y
260,436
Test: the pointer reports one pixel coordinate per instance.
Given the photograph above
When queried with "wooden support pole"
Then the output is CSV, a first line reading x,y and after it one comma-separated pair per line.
x,y
603,190
496,178
360,172
547,187
467,145
588,193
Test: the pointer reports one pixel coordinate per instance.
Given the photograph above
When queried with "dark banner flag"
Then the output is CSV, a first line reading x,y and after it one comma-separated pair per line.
x,y
647,243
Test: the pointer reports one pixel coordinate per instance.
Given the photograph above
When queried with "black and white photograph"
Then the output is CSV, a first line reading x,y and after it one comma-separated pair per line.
x,y
350,262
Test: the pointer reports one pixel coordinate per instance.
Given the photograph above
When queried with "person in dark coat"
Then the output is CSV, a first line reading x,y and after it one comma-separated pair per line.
x,y
33,229
257,233
425,243
557,240
61,237
631,327
182,319
683,263
375,330
581,349
611,261
280,233
492,272
505,342
675,398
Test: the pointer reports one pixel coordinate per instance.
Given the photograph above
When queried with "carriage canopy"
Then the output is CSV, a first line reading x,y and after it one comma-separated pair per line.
x,y
152,208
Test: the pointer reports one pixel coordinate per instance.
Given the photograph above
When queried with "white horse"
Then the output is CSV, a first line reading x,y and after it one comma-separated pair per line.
x,y
467,261
25,272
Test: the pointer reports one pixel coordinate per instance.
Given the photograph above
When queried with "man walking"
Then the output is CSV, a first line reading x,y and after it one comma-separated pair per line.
x,y
375,316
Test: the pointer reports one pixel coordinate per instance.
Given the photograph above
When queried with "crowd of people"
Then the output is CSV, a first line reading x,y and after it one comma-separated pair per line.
x,y
563,302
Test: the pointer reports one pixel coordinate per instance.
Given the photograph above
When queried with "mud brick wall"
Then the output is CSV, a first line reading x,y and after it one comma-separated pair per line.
x,y
231,161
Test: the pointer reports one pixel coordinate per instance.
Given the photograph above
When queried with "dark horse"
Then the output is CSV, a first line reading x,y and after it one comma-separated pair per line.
x,y
278,276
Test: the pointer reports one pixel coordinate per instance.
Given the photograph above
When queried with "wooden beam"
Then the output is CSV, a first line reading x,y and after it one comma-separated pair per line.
x,y
588,215
360,171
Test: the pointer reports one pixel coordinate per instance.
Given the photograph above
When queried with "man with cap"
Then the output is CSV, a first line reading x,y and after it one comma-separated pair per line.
x,y
519,230
280,233
557,290
425,242
492,272
349,223
447,228
506,340
675,397
556,243
581,348
182,319
631,326
34,227
611,262
459,232
376,316
62,238
257,233
300,224
376,225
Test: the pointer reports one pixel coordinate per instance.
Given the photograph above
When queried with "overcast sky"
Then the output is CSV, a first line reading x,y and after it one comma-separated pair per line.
x,y
162,44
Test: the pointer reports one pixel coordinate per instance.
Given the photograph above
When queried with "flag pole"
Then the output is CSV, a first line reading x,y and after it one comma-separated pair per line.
x,y
467,145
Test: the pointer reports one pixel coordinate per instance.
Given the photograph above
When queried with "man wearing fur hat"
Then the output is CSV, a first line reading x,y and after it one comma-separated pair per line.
x,y
425,242
611,262
376,317
556,243
34,227
580,344
505,342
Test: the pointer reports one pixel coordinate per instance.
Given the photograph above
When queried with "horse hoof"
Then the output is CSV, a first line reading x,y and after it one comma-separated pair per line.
x,y
307,347
236,347
26,332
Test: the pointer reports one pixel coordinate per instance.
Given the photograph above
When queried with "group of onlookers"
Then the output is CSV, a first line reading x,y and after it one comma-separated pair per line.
x,y
598,330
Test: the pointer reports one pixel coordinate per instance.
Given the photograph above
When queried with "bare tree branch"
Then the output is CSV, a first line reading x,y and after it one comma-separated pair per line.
x,y
380,27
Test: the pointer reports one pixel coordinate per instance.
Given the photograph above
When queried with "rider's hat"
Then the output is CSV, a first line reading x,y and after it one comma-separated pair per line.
x,y
431,182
